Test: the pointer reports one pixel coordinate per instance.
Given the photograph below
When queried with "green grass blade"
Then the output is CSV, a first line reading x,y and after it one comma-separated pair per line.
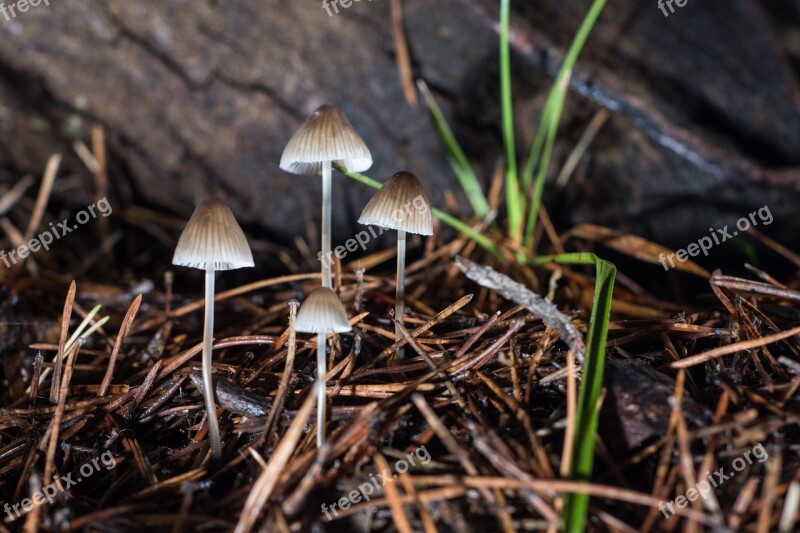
x,y
81,328
584,258
588,411
558,86
538,143
542,147
515,203
541,176
458,225
455,156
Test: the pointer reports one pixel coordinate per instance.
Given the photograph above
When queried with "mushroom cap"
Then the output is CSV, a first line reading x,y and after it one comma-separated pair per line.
x,y
326,135
401,204
322,312
213,237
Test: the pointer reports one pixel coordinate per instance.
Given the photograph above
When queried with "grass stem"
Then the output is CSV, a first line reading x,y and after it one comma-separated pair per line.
x,y
514,200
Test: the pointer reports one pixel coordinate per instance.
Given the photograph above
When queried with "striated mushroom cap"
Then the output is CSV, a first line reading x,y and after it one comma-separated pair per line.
x,y
401,204
326,135
321,313
213,237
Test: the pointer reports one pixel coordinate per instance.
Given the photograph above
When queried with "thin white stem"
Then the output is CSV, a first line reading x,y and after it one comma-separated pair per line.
x,y
325,240
400,294
208,383
322,364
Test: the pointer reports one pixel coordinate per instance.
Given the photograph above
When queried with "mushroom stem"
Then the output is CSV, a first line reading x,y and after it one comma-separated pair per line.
x,y
325,240
208,383
322,363
400,294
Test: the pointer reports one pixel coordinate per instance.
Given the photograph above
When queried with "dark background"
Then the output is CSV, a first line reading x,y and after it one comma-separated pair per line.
x,y
200,97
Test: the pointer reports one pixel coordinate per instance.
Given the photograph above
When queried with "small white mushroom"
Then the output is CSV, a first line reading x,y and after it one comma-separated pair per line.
x,y
403,205
321,313
212,240
325,137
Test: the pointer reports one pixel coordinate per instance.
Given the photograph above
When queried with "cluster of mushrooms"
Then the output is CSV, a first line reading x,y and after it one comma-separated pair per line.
x,y
212,240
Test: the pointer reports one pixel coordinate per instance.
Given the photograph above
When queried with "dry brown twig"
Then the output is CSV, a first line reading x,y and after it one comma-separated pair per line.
x,y
520,295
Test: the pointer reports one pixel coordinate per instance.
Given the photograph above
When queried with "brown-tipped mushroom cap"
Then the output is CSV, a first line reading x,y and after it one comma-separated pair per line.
x,y
401,204
322,312
327,135
213,237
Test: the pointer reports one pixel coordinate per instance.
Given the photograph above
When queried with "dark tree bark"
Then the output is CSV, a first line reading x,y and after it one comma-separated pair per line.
x,y
199,97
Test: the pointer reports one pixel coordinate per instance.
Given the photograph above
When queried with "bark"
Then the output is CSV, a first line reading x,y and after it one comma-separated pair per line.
x,y
200,97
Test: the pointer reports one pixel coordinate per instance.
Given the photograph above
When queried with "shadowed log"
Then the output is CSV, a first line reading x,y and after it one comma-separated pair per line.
x,y
200,97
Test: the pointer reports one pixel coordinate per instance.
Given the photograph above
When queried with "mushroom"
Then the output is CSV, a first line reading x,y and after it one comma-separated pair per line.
x,y
325,137
321,313
403,205
212,240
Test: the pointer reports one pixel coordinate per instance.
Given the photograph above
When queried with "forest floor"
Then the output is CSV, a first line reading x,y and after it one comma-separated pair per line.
x,y
465,431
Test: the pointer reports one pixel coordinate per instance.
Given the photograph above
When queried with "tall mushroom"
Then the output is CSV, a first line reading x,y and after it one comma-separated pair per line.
x,y
212,240
321,313
325,137
403,205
